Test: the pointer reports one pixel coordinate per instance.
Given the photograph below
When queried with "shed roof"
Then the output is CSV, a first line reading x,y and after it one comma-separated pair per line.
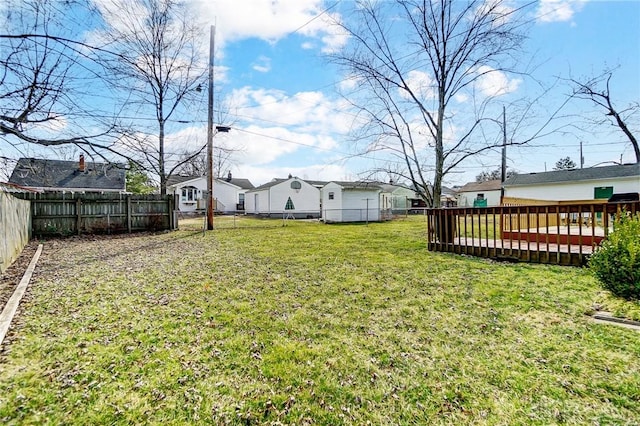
x,y
591,173
59,174
359,185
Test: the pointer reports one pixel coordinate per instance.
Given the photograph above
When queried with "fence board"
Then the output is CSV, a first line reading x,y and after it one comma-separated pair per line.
x,y
58,213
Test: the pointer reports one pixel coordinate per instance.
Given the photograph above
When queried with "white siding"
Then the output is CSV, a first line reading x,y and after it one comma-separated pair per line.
x,y
350,205
272,200
226,196
257,202
306,200
225,193
190,206
332,209
572,191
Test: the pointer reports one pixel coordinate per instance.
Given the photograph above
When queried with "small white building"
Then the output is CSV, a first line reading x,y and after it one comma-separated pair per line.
x,y
351,202
292,197
228,194
480,194
575,185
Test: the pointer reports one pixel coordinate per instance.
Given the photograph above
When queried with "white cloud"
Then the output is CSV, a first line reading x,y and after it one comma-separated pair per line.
x,y
421,84
270,20
495,83
277,134
310,112
55,124
262,64
558,10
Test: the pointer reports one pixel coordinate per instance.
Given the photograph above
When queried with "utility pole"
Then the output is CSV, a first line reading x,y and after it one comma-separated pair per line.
x,y
210,206
581,156
503,171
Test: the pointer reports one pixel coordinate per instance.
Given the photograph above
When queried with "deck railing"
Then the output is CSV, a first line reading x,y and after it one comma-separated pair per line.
x,y
559,234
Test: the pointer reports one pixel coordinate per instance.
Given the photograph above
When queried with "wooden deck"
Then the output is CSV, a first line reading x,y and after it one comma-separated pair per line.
x,y
555,234
519,250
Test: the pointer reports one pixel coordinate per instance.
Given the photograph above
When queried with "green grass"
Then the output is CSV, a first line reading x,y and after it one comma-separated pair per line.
x,y
479,226
311,324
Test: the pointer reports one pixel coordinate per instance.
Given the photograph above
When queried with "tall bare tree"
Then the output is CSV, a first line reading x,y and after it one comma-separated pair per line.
x,y
428,73
598,91
161,65
45,70
223,160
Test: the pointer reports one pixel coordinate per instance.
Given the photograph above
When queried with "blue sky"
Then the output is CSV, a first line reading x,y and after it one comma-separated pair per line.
x,y
281,95
284,88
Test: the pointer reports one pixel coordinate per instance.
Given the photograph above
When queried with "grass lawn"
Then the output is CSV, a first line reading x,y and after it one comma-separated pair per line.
x,y
310,324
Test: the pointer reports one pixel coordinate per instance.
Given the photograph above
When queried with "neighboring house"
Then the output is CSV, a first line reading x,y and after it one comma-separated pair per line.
x,y
351,202
447,199
396,198
228,194
575,185
73,176
291,197
480,194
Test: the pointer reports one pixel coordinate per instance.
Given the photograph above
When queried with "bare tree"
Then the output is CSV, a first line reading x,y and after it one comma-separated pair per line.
x,y
223,160
419,65
45,70
598,91
160,64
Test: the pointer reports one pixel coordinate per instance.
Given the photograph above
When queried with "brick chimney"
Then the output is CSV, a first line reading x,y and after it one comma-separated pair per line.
x,y
81,164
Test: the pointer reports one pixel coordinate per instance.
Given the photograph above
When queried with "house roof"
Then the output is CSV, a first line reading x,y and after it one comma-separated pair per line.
x,y
390,187
239,182
61,175
591,173
358,185
490,185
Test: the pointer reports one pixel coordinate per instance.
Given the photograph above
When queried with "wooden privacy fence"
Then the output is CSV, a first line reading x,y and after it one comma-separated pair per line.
x,y
558,234
100,213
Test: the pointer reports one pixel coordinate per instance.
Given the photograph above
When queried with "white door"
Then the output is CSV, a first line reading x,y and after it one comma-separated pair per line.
x,y
256,203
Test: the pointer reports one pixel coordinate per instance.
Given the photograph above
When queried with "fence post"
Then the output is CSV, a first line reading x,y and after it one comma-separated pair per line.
x,y
78,214
129,213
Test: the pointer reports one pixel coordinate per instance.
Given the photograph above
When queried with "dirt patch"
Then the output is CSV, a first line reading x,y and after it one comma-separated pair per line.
x,y
10,279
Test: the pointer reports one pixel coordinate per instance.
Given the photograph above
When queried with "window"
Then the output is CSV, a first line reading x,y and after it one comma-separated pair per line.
x,y
480,197
331,195
189,194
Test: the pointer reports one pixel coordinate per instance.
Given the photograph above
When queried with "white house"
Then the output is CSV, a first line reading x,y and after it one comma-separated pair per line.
x,y
480,194
292,197
575,185
229,193
351,202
